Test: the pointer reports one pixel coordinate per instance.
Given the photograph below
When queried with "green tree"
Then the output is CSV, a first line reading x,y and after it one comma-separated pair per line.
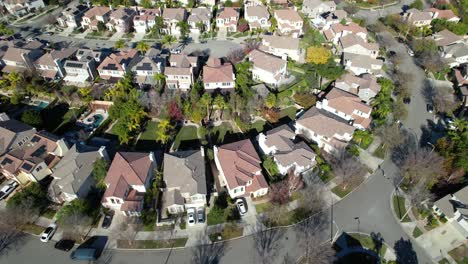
x,y
270,166
142,46
101,26
417,4
119,44
318,55
329,71
244,79
33,194
16,97
271,101
146,3
184,29
382,103
100,167
160,79
206,101
201,26
32,118
221,103
163,131
168,40
14,79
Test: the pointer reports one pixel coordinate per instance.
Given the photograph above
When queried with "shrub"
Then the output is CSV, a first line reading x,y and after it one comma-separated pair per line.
x,y
305,100
232,214
32,118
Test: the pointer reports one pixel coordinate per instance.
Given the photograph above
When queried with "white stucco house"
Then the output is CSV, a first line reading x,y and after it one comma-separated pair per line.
x,y
268,68
454,207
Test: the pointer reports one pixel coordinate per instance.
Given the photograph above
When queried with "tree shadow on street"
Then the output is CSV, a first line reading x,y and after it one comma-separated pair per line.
x,y
401,151
404,252
428,92
207,252
266,241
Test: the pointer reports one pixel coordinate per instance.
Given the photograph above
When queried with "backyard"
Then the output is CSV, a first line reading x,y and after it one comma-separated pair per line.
x,y
186,134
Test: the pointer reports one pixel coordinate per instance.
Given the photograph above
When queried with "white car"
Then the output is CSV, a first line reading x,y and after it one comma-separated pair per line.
x,y
410,52
7,189
241,207
191,216
48,232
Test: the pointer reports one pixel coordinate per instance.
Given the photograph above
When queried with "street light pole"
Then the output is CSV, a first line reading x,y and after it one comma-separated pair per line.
x,y
331,220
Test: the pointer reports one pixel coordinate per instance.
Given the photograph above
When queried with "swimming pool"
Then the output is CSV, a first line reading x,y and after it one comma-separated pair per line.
x,y
98,118
39,105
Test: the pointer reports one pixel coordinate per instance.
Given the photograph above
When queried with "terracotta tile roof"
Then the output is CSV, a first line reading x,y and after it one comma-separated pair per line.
x,y
174,13
200,14
122,13
49,58
281,42
116,60
182,60
266,61
177,71
445,38
214,71
97,11
351,83
15,54
288,14
228,12
442,14
147,14
240,163
257,11
351,40
346,102
127,168
301,154
324,123
417,15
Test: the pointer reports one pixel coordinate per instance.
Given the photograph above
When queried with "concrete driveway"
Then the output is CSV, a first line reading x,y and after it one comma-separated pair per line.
x,y
441,240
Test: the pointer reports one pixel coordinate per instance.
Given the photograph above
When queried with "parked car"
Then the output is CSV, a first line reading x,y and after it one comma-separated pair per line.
x,y
7,189
410,52
65,244
201,215
48,232
392,53
84,254
430,108
49,33
191,216
106,222
177,48
241,207
407,100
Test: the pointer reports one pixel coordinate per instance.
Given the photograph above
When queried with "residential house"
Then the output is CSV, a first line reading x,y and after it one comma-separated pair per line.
x,y
127,180
446,38
325,20
146,67
199,16
454,207
418,18
461,75
82,70
282,46
121,20
337,31
268,68
456,54
171,17
288,153
256,3
22,7
356,45
185,181
97,14
180,72
34,160
73,174
289,22
145,20
117,64
257,16
327,130
209,3
361,64
365,86
239,169
444,14
348,107
218,75
314,8
50,65
13,134
71,16
20,59
227,19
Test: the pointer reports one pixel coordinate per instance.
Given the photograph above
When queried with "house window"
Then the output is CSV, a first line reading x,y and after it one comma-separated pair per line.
x,y
38,168
112,201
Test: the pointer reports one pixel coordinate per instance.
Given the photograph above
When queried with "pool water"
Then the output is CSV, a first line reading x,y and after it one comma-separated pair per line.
x,y
97,120
39,105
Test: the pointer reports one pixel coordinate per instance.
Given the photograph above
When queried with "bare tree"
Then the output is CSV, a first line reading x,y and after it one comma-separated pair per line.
x,y
129,228
76,223
316,250
346,168
207,252
251,45
445,100
312,198
266,241
275,214
390,135
236,55
422,164
22,213
10,235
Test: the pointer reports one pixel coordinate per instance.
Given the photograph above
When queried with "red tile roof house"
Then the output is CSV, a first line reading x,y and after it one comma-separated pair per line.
x,y
217,75
239,169
365,86
268,68
19,59
227,19
284,47
35,159
51,64
337,31
418,18
121,20
288,154
444,14
446,38
127,181
356,45
347,106
145,20
199,15
95,15
171,17
289,22
257,16
117,64
330,132
180,72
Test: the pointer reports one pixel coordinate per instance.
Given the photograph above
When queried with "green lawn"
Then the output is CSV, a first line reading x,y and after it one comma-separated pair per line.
x,y
380,152
49,213
259,125
150,244
367,242
338,190
444,261
150,131
186,133
33,229
262,207
289,112
460,254
230,231
219,132
399,208
417,232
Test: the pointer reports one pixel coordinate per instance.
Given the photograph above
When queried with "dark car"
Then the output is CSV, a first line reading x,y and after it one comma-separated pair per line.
x,y
84,254
430,108
392,53
201,215
407,100
65,244
106,222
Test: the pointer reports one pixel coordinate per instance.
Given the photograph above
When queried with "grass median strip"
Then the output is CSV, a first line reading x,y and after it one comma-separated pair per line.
x,y
151,244
400,209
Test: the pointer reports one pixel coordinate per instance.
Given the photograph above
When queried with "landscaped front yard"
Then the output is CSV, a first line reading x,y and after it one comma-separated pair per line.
x,y
289,112
460,254
230,231
367,242
399,208
151,244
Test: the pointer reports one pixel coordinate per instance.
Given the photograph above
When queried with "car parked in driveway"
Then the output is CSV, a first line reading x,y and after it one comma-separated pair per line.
x,y
191,216
430,108
48,232
65,244
106,222
241,207
7,189
201,215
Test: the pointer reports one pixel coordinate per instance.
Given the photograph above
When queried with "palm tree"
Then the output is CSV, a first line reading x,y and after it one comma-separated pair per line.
x,y
160,78
142,47
206,100
201,26
169,40
14,78
184,29
119,44
221,103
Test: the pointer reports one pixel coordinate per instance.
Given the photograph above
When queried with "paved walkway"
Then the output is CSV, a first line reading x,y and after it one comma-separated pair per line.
x,y
439,241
